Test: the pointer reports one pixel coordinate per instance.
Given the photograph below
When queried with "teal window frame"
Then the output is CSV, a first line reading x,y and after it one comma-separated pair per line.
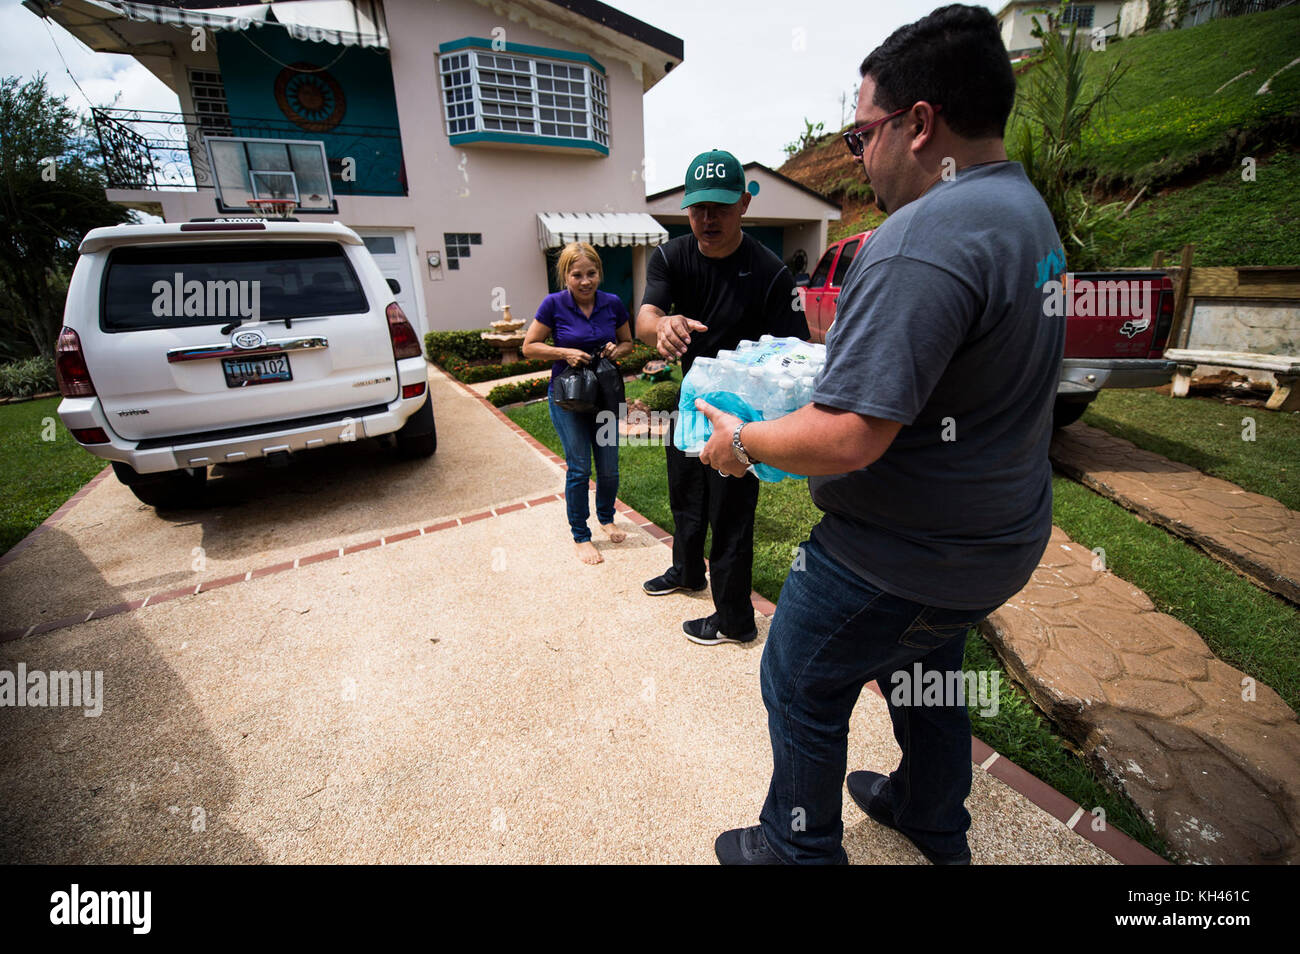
x,y
548,105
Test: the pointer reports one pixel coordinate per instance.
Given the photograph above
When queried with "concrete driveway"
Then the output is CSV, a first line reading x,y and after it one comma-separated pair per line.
x,y
359,659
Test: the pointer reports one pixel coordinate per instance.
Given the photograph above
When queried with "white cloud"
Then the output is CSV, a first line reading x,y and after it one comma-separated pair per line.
x,y
744,86
30,45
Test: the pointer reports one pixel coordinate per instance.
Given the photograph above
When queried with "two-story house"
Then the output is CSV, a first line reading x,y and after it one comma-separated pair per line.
x,y
463,139
1017,21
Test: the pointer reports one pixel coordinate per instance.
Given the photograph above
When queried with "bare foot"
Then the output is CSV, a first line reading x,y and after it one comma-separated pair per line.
x,y
614,533
588,553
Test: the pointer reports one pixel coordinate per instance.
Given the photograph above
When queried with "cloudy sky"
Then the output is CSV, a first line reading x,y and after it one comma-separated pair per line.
x,y
753,70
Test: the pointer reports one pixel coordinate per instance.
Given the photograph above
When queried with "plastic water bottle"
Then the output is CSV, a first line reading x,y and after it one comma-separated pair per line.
x,y
784,401
754,390
805,389
705,373
758,380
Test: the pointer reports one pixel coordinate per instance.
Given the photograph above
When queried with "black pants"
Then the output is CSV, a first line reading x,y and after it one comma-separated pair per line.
x,y
701,498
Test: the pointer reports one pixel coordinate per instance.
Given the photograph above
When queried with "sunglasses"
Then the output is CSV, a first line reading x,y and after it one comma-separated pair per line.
x,y
857,144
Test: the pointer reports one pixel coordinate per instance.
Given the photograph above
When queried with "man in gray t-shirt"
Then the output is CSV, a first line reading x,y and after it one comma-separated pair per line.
x,y
927,445
939,327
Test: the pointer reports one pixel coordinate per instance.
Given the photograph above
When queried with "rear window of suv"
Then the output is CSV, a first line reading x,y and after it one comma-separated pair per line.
x,y
169,286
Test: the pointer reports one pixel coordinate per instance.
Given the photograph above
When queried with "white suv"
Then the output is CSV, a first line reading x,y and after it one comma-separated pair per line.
x,y
188,345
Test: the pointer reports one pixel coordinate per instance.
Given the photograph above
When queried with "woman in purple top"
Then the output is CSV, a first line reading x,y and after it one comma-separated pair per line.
x,y
584,321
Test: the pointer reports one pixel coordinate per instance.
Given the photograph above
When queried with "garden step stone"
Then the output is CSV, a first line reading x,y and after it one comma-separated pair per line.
x,y
1253,534
1210,757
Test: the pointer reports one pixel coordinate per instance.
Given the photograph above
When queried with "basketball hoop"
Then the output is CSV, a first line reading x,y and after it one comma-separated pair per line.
x,y
273,208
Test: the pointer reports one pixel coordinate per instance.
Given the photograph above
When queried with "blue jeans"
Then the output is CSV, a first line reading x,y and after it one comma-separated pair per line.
x,y
578,435
833,632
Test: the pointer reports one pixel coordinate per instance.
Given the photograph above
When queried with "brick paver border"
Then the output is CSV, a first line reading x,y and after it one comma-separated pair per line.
x,y
54,518
8,635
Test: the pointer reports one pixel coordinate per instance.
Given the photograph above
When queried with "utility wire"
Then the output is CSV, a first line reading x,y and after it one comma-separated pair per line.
x,y
67,68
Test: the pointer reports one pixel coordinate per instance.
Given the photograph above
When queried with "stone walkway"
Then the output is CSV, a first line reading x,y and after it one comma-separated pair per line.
x,y
1253,534
1211,757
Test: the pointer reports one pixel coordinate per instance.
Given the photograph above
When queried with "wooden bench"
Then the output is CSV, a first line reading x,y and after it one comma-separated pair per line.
x,y
1286,372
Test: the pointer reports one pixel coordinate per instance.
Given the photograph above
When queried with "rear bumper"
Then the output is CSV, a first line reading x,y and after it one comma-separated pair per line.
x,y
246,443
1082,377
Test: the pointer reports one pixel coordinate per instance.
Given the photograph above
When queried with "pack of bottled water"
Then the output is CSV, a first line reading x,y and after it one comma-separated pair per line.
x,y
759,381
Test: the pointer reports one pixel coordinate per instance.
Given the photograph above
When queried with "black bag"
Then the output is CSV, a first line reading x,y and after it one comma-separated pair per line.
x,y
610,379
576,389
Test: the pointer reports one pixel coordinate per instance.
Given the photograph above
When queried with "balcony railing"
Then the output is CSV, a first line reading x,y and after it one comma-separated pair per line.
x,y
145,149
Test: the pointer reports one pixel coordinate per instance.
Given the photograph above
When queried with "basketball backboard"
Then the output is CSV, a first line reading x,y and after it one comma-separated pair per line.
x,y
245,168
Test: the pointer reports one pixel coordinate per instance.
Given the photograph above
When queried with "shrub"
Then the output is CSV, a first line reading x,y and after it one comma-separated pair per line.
x,y
518,391
487,372
635,361
466,344
662,396
454,350
21,379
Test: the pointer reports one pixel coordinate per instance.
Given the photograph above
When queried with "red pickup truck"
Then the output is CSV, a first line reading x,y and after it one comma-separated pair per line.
x,y
1117,324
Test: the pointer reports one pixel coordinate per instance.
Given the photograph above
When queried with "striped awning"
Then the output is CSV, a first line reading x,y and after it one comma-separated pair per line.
x,y
340,22
599,228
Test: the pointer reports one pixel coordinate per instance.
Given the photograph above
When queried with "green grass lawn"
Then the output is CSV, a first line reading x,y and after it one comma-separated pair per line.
x,y
1228,220
783,520
1169,104
1207,434
36,475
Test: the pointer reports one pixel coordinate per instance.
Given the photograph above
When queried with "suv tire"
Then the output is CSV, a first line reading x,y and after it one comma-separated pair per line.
x,y
169,490
1068,410
418,437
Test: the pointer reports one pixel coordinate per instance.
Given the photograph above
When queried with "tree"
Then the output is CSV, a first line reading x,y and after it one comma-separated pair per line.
x,y
1052,111
51,194
805,140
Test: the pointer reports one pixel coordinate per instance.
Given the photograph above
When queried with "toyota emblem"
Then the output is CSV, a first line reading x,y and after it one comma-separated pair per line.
x,y
247,340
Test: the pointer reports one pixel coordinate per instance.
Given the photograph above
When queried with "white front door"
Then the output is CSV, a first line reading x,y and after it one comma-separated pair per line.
x,y
392,253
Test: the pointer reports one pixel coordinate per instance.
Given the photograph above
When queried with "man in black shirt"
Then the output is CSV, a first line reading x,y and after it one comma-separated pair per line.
x,y
706,292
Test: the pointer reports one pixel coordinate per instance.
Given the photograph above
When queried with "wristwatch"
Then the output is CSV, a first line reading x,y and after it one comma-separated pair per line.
x,y
738,448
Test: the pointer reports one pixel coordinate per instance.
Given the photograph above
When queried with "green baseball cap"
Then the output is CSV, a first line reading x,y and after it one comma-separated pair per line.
x,y
714,176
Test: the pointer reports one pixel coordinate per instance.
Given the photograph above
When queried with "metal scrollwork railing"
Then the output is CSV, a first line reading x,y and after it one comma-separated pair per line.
x,y
147,149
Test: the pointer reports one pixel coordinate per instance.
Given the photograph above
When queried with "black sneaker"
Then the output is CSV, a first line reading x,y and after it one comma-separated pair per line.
x,y
705,632
667,583
867,792
744,846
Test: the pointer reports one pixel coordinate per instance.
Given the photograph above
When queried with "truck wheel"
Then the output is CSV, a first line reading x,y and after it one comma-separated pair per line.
x,y
1068,410
170,490
418,437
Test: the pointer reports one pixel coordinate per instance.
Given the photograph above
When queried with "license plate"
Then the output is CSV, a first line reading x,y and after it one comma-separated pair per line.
x,y
241,373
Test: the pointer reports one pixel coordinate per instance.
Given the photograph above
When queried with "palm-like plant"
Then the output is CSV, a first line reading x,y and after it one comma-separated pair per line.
x,y
1053,108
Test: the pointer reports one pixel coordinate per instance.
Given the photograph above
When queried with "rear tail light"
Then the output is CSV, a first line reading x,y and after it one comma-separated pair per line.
x,y
1165,319
70,367
412,390
90,435
405,342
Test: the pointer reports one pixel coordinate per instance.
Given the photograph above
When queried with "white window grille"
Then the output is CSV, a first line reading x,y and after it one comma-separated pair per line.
x,y
488,91
1080,15
209,96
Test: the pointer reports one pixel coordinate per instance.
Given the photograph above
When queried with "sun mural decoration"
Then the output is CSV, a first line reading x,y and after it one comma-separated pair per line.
x,y
313,100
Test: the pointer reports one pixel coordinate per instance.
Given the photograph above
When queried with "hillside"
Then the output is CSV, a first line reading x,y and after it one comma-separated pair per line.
x,y
1183,119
